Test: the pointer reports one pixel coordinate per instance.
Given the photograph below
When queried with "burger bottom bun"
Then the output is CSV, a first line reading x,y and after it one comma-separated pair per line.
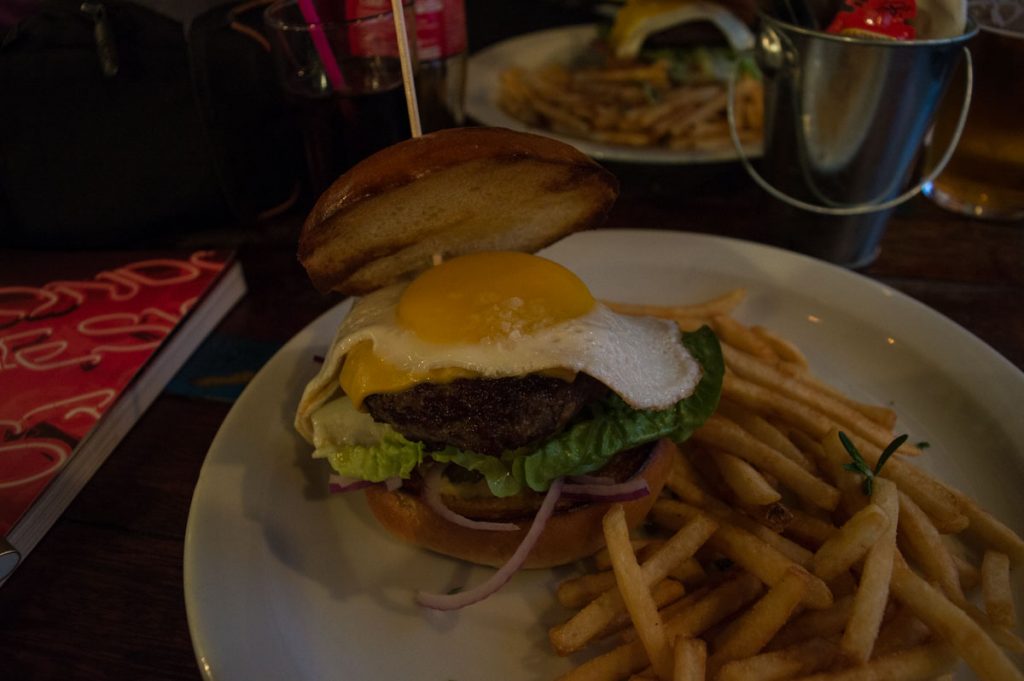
x,y
568,536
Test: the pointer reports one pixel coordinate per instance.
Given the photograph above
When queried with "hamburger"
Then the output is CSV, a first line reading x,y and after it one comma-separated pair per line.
x,y
489,407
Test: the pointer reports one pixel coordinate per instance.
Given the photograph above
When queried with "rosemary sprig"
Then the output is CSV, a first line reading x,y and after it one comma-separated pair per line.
x,y
859,465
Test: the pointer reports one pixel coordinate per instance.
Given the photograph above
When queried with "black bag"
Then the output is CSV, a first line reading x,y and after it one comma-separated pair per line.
x,y
120,126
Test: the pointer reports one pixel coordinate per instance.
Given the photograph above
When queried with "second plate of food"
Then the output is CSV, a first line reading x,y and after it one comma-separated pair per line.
x,y
521,83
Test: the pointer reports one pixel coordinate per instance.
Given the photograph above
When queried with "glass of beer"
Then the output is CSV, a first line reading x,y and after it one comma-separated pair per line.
x,y
985,177
342,77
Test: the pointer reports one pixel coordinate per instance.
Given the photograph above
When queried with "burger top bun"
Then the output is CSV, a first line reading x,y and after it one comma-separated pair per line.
x,y
449,192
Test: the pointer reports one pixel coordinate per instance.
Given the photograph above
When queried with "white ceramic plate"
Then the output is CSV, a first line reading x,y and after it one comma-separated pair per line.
x,y
559,45
283,581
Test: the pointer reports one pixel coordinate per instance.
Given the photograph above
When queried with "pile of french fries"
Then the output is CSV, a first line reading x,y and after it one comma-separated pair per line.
x,y
774,562
633,105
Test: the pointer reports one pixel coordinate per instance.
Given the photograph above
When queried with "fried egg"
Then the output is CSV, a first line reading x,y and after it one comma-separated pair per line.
x,y
500,314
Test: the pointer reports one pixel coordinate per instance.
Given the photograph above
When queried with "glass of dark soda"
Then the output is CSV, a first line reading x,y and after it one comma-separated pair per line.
x,y
339,66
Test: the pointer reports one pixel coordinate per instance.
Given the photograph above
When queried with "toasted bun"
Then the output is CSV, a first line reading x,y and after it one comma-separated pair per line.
x,y
450,192
568,536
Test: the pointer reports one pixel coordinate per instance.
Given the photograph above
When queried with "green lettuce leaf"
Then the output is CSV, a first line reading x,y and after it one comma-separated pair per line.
x,y
610,427
392,456
587,445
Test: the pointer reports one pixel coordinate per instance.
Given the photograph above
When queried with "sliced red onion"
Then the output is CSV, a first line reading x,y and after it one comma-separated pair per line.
x,y
432,497
505,572
634,488
342,483
591,480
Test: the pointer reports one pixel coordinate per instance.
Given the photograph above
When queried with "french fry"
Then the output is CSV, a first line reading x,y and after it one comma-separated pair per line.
x,y
723,304
778,665
769,404
951,623
596,616
925,546
968,573
765,432
990,530
941,504
575,592
747,484
664,593
826,623
873,590
689,572
618,663
849,544
749,634
883,416
752,369
995,589
646,675
916,664
811,448
602,561
833,462
692,615
1006,638
672,514
636,595
720,432
689,659
736,335
747,550
783,349
901,630
809,529
688,485
628,658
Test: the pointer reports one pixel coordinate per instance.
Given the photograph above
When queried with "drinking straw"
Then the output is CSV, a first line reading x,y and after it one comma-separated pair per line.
x,y
407,78
322,46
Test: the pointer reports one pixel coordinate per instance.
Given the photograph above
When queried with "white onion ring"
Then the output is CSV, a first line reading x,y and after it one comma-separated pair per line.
x,y
634,488
505,572
432,497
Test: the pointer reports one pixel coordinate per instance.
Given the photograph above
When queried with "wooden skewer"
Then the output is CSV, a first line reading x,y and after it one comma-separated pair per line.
x,y
408,80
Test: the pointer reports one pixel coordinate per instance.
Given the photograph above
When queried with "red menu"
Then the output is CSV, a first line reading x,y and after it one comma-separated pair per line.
x,y
70,348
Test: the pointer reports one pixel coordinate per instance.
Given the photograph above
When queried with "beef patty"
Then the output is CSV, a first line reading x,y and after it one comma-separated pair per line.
x,y
486,416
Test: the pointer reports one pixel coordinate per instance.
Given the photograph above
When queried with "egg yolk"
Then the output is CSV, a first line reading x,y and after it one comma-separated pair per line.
x,y
630,17
478,298
487,297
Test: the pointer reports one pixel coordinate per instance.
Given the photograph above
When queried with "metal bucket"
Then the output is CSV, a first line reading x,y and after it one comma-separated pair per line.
x,y
845,118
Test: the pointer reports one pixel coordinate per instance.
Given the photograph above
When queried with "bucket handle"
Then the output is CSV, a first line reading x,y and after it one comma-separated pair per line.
x,y
862,208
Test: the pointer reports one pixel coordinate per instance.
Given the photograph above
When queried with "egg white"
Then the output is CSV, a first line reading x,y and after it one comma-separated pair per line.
x,y
640,358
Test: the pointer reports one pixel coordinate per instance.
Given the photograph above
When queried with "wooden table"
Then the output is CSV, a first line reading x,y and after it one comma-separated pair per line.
x,y
101,597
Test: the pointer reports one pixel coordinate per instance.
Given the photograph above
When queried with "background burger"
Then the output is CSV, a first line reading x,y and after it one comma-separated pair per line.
x,y
488,405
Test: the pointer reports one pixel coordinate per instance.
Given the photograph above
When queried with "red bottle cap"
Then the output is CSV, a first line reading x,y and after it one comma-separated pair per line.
x,y
886,19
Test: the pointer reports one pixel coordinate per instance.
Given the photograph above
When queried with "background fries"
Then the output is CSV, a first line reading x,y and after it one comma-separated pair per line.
x,y
793,570
633,104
